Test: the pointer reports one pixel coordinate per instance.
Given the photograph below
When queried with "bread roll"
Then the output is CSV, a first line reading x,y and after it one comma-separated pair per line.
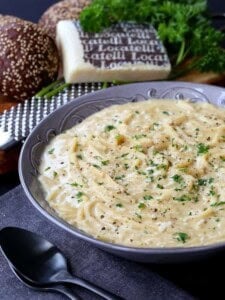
x,y
63,10
28,58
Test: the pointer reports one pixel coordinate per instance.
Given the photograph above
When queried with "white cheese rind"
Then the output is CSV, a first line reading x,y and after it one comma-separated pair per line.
x,y
76,69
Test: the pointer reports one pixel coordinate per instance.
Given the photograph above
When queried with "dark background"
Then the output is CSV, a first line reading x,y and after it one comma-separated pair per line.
x,y
32,9
201,279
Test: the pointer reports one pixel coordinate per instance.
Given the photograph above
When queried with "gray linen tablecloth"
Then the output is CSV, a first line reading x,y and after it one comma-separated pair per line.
x,y
127,279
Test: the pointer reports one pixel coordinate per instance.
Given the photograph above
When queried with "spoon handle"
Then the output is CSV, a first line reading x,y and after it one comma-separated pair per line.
x,y
67,278
65,291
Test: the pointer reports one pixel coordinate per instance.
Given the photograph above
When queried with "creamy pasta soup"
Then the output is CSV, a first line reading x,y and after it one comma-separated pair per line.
x,y
147,174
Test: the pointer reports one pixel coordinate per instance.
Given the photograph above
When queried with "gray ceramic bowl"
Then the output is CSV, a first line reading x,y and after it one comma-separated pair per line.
x,y
73,113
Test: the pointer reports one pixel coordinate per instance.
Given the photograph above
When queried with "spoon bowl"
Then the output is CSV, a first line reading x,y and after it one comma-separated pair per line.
x,y
39,261
36,258
56,288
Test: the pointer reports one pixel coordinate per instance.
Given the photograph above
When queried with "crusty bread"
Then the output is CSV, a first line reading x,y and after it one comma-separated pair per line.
x,y
9,160
63,10
28,58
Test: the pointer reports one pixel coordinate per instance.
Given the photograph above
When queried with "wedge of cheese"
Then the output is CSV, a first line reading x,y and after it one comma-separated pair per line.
x,y
124,52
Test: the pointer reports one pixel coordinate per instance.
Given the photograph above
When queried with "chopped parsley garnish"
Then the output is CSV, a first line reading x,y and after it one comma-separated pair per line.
x,y
124,155
212,191
79,156
152,163
119,177
202,149
139,136
181,237
55,173
140,172
141,205
109,128
48,168
79,194
105,162
182,198
183,169
151,171
126,166
51,151
74,184
219,203
138,216
159,186
147,197
166,113
138,148
162,166
204,182
210,180
96,166
119,205
178,178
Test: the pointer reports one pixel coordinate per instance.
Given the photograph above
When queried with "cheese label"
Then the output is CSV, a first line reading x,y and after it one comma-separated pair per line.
x,y
122,44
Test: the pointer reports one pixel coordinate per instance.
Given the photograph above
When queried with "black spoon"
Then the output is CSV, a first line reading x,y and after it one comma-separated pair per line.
x,y
53,288
39,261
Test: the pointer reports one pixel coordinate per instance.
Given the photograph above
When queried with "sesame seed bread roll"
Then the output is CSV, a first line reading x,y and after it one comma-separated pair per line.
x,y
28,58
63,10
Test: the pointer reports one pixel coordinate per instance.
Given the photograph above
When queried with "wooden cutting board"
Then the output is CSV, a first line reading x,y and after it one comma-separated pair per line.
x,y
9,158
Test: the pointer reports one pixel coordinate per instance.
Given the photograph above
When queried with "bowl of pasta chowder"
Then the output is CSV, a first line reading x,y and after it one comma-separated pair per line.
x,y
136,170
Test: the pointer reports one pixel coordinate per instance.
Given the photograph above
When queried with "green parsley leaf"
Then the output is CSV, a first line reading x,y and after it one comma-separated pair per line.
x,y
159,186
202,182
121,177
147,197
182,237
96,166
138,216
219,203
79,194
139,136
138,148
141,205
166,113
202,149
74,184
182,198
126,166
109,128
51,151
178,178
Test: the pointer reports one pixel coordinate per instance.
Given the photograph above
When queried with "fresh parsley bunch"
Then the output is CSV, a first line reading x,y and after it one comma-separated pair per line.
x,y
184,26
